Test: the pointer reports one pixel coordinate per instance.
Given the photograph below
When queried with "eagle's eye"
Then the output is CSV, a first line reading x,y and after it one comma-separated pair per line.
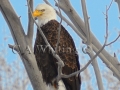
x,y
42,10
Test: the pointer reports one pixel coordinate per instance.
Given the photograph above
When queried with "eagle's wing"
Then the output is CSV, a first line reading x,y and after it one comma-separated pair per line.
x,y
66,51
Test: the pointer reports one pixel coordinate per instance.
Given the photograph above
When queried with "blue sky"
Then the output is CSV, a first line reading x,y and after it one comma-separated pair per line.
x,y
95,8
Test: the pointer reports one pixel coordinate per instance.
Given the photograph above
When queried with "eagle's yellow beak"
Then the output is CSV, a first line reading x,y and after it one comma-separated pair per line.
x,y
37,13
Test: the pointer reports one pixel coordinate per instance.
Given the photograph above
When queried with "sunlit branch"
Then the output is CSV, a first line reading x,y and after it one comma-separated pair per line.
x,y
13,47
19,37
86,20
30,23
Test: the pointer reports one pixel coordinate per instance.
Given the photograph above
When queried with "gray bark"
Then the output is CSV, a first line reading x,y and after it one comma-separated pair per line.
x,y
20,39
30,23
97,71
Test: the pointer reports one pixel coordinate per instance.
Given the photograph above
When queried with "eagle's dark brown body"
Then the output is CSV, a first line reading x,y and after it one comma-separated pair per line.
x,y
66,50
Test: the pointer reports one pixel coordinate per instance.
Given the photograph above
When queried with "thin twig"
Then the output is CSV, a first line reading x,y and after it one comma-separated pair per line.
x,y
59,28
113,40
110,5
107,9
106,23
58,41
13,47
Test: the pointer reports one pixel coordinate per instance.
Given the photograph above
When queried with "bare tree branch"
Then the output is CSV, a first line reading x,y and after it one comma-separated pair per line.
x,y
89,46
90,52
19,38
96,69
77,21
110,5
30,23
59,30
113,40
107,9
13,47
86,20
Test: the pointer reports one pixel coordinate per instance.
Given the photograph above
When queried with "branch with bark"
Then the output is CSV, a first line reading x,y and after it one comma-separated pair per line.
x,y
89,49
30,23
20,39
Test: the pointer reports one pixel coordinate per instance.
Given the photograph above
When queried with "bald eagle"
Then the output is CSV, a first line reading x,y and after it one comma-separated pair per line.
x,y
66,50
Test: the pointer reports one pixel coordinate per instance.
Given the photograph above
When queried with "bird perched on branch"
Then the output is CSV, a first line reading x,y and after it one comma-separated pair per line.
x,y
66,50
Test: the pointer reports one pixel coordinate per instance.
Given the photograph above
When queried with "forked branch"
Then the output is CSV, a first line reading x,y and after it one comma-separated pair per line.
x,y
20,39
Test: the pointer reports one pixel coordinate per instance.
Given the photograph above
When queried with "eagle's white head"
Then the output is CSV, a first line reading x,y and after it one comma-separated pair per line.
x,y
44,13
